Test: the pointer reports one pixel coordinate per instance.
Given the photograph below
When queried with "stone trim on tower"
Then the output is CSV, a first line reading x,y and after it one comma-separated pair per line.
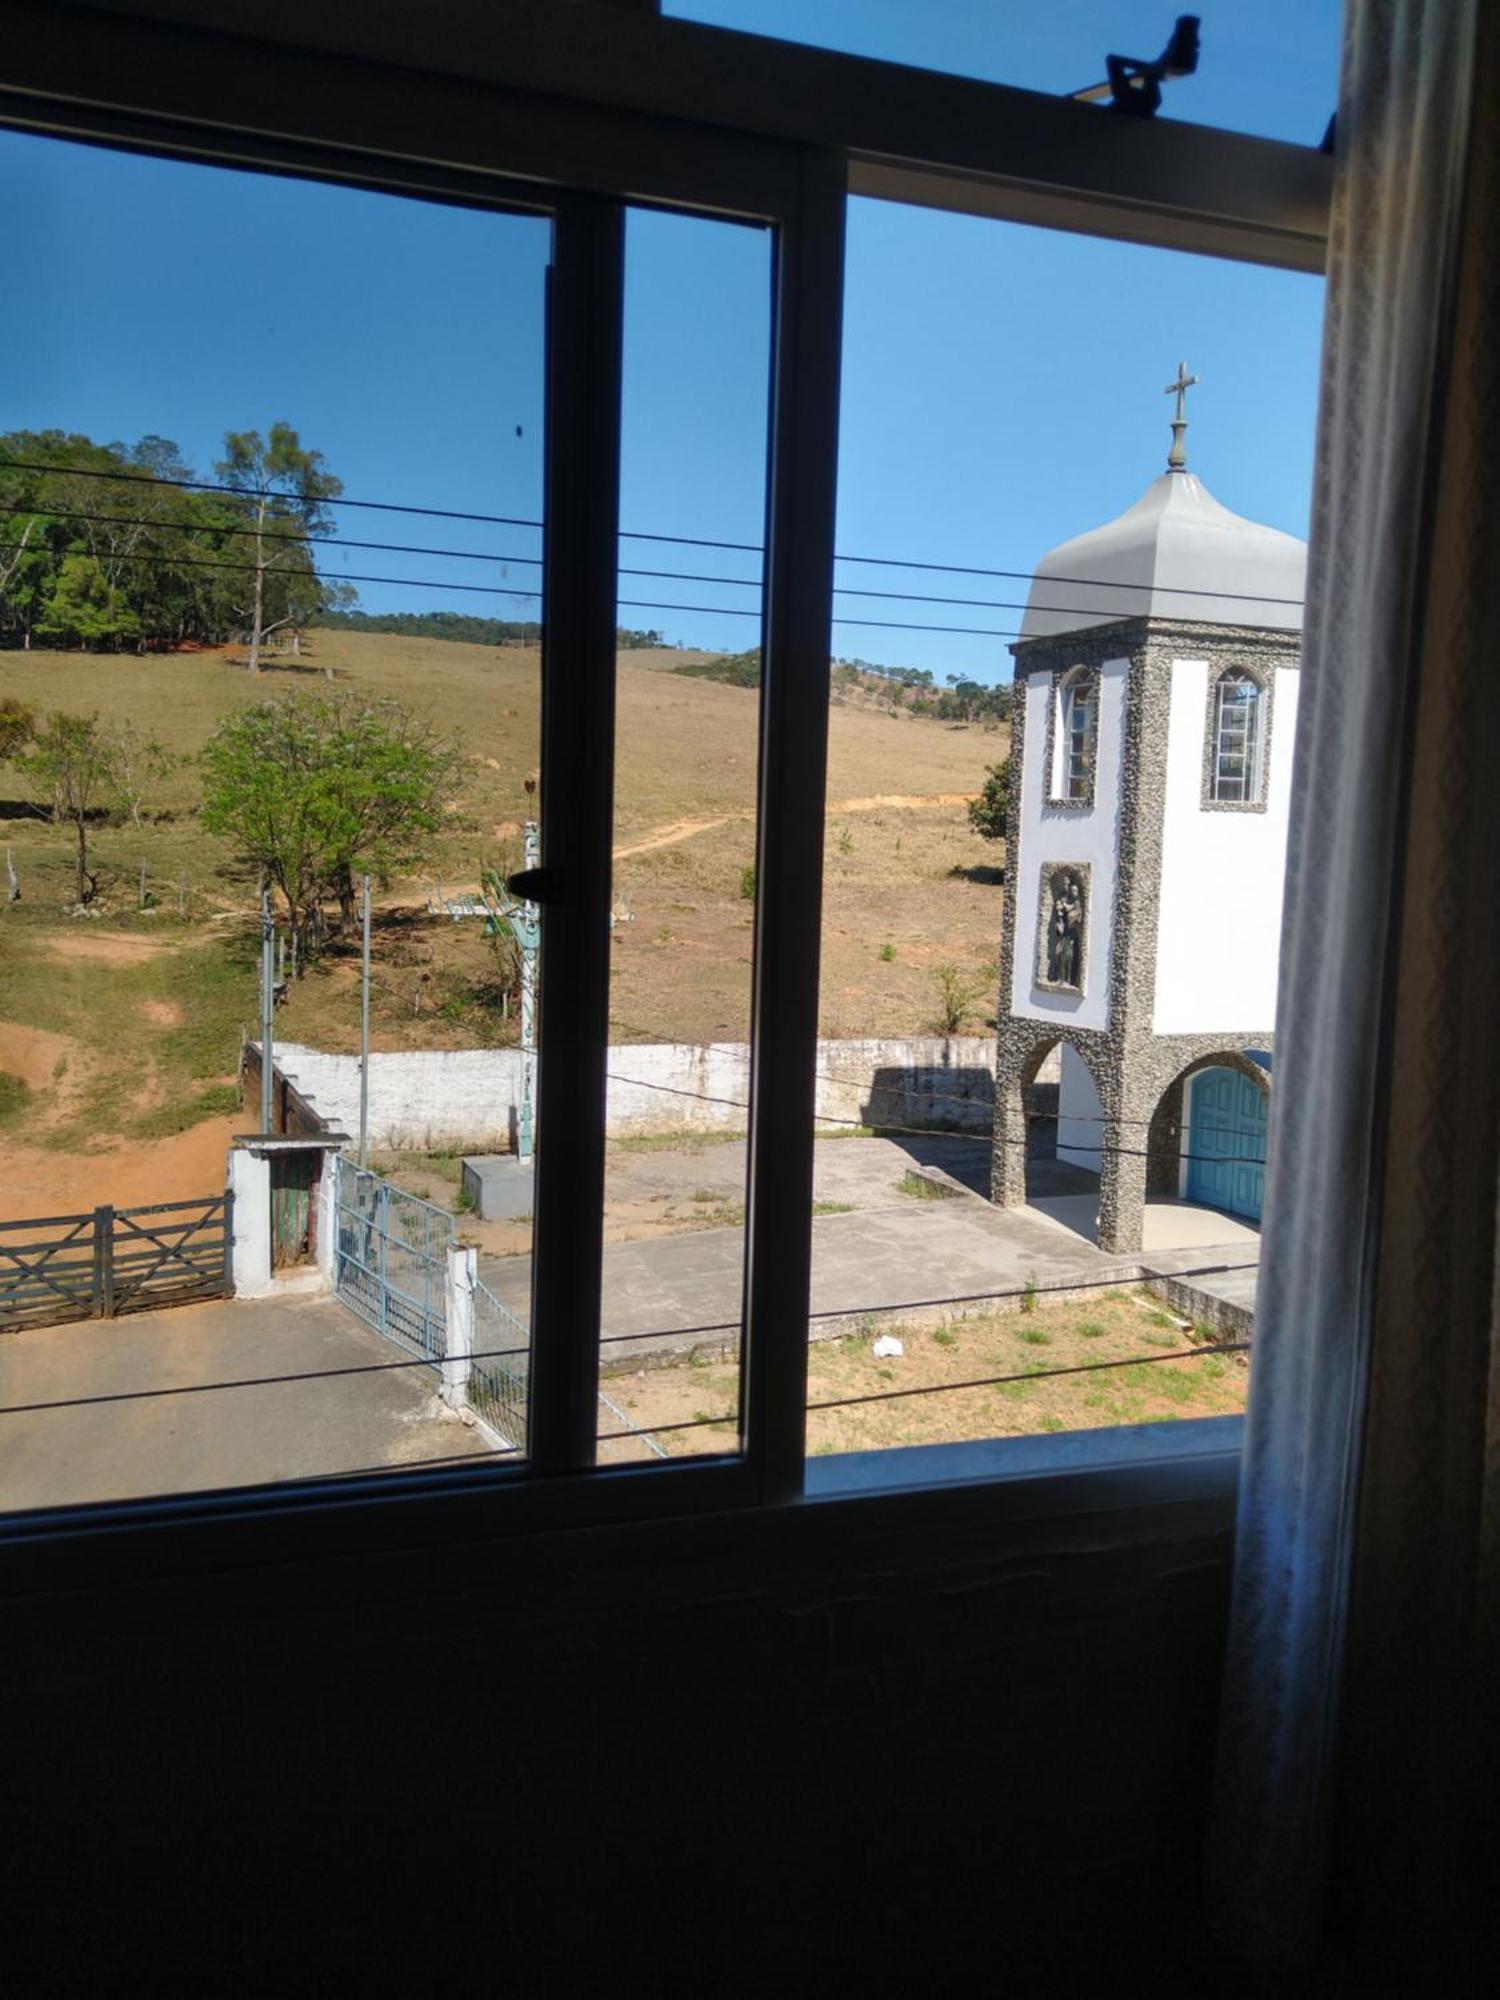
x,y
1131,1065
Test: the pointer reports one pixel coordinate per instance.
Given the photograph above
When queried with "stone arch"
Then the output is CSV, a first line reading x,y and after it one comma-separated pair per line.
x,y
1164,1135
1016,1106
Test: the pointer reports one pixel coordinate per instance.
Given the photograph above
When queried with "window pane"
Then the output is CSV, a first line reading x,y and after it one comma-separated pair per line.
x,y
1082,1254
1271,69
693,503
271,550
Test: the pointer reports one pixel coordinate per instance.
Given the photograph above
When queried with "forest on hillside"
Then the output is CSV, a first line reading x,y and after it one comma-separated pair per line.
x,y
466,628
907,690
109,547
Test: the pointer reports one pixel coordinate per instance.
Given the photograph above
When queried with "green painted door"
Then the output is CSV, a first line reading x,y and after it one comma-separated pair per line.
x,y
293,1176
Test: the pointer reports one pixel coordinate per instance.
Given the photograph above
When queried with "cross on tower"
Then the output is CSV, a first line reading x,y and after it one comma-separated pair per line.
x,y
1177,456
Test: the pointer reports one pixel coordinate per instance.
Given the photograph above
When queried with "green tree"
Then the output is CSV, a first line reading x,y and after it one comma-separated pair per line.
x,y
316,789
139,763
284,489
990,811
17,727
85,609
71,760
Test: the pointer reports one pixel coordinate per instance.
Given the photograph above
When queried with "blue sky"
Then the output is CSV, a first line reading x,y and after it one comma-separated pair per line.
x,y
1267,66
1002,386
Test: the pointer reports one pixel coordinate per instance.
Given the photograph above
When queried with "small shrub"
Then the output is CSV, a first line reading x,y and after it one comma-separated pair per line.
x,y
1089,1329
1033,1336
887,952
945,1336
747,882
920,1188
957,992
1028,1296
15,1095
464,1203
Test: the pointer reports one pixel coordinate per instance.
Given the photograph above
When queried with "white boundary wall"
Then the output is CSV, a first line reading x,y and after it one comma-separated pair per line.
x,y
467,1100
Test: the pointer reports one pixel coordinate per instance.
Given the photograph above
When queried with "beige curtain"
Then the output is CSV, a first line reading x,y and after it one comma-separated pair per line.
x,y
1359,1673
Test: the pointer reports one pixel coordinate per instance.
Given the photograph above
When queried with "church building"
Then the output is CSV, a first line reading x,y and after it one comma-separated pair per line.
x,y
1151,755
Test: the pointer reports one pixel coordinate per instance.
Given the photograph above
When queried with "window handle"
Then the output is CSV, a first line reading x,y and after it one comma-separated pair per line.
x,y
535,885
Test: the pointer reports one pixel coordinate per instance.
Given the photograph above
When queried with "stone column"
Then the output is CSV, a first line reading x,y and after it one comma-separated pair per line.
x,y
1008,1156
1123,1169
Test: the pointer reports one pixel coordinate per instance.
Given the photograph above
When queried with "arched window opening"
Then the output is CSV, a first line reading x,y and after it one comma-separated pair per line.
x,y
1077,737
1239,737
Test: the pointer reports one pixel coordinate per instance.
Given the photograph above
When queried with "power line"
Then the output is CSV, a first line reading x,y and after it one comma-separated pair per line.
x,y
1034,1375
1071,1285
925,1132
299,540
506,590
692,541
208,486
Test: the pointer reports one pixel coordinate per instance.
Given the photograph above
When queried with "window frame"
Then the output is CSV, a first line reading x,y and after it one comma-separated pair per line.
x,y
1256,780
1070,686
669,113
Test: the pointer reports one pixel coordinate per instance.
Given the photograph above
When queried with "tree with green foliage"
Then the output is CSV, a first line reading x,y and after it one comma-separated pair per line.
x,y
71,760
85,610
139,764
317,789
102,546
17,727
990,811
285,489
741,670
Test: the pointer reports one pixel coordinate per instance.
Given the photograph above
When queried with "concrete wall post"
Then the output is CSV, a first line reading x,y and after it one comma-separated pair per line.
x,y
328,1225
458,1347
250,1179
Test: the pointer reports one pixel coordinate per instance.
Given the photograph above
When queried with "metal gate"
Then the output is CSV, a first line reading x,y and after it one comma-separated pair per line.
x,y
109,1261
391,1259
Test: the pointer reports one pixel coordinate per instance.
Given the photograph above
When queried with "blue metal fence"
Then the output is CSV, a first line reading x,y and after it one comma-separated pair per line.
x,y
500,1373
391,1260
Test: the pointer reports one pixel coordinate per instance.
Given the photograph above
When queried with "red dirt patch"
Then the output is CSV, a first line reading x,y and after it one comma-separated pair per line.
x,y
128,1173
106,947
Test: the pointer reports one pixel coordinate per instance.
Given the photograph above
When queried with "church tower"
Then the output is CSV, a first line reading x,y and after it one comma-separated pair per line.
x,y
1156,697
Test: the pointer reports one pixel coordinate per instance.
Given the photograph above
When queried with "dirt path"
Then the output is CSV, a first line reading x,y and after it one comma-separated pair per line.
x,y
107,947
34,1180
684,829
677,830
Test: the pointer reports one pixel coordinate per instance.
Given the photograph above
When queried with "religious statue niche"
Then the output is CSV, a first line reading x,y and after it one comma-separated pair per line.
x,y
1063,926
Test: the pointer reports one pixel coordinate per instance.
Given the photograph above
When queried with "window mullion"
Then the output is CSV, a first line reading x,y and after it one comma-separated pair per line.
x,y
807,351
585,309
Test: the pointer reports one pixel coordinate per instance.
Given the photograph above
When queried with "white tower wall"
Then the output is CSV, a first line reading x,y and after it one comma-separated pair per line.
x,y
1220,892
1055,833
1079,1113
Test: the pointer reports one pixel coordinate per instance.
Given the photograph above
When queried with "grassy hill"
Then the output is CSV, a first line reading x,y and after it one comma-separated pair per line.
x,y
151,1004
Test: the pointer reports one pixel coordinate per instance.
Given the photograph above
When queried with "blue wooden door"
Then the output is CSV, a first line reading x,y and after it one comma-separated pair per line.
x,y
1227,1142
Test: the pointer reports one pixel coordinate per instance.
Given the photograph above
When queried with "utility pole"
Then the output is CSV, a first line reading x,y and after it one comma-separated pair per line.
x,y
364,1032
267,1001
527,925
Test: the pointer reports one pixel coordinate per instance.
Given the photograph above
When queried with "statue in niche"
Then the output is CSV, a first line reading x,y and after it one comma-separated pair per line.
x,y
1065,929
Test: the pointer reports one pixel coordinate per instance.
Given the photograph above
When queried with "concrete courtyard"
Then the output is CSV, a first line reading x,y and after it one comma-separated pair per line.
x,y
234,1393
900,1245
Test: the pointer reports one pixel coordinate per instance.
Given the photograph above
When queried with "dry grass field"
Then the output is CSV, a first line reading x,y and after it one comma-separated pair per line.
x,y
880,1403
147,1006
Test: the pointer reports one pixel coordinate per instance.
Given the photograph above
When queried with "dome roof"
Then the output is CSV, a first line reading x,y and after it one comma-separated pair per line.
x,y
1175,554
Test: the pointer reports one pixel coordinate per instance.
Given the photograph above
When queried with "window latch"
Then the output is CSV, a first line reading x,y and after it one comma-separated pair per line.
x,y
535,885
